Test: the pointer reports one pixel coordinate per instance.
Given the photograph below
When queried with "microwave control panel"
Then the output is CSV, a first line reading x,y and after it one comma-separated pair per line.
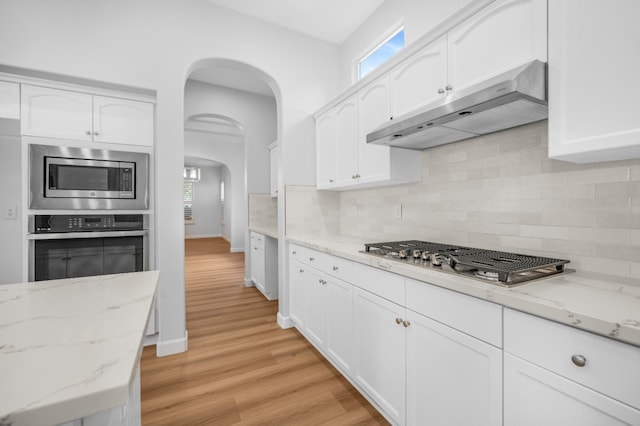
x,y
78,223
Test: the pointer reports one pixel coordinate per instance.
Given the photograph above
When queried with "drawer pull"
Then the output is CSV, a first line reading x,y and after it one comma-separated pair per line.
x,y
406,323
301,270
294,252
398,320
311,259
579,360
335,268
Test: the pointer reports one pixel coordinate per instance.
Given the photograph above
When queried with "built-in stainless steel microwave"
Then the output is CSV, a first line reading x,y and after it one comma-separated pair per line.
x,y
82,178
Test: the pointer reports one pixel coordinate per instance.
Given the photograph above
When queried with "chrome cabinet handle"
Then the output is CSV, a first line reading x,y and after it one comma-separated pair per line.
x,y
406,323
448,87
335,268
96,133
301,270
330,180
398,320
579,360
88,132
312,259
294,252
441,90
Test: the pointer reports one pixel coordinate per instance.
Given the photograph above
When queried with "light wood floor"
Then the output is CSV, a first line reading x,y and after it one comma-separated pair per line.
x,y
241,368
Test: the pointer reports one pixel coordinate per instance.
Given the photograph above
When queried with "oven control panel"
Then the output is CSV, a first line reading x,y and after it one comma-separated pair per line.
x,y
39,224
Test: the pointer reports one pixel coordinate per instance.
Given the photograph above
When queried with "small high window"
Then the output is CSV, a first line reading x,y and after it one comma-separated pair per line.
x,y
381,53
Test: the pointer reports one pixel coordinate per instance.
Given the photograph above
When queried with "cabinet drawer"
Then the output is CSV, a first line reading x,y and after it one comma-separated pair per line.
x,y
612,368
257,239
476,317
329,264
384,284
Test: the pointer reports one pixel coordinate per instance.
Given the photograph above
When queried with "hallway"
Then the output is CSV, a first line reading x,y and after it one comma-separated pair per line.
x,y
241,367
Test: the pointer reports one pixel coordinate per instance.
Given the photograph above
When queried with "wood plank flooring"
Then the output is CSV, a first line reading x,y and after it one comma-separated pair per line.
x,y
241,367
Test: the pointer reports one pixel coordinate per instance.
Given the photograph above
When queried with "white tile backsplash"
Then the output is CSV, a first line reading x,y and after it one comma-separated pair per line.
x,y
501,191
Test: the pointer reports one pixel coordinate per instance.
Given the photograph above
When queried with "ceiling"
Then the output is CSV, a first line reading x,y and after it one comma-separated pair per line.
x,y
190,161
329,20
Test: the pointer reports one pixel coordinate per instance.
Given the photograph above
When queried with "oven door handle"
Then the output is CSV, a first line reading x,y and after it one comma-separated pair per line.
x,y
86,234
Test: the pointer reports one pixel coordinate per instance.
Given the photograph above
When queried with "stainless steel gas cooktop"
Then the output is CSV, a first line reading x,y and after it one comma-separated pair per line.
x,y
503,268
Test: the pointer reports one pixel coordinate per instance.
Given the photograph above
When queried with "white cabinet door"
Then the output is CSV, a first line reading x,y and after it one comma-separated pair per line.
x,y
346,117
416,81
534,396
502,36
298,294
9,100
447,370
316,312
56,113
373,108
274,165
380,352
257,266
593,80
326,150
339,323
122,121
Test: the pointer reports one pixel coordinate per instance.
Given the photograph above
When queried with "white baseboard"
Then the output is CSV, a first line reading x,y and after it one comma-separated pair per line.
x,y
151,339
236,249
248,283
227,239
188,237
171,347
284,322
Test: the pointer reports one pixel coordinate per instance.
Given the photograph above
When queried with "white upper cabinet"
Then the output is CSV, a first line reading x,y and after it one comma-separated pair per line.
x,y
326,150
122,121
9,100
416,81
55,113
346,158
504,35
373,109
594,64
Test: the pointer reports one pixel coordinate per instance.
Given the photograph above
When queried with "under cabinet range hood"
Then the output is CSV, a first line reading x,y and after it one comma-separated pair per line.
x,y
508,100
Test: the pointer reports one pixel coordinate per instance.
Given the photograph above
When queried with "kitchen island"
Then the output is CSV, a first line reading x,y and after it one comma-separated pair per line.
x,y
70,349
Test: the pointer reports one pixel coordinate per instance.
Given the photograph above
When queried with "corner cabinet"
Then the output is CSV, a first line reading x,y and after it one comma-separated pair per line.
x,y
63,114
593,79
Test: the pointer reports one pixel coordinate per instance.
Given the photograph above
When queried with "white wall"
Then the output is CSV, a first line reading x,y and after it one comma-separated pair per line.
x,y
229,151
10,190
257,117
417,16
207,214
155,44
225,176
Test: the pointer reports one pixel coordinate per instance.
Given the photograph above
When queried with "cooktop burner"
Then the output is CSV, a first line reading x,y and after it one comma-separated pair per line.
x,y
503,268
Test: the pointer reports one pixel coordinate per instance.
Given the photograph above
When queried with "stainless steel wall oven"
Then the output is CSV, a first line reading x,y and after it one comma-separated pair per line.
x,y
69,246
82,178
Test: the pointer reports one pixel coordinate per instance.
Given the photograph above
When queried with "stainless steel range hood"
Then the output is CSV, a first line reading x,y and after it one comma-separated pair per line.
x,y
511,99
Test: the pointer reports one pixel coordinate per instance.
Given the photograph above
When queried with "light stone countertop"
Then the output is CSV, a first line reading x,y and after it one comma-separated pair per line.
x,y
269,232
70,348
601,304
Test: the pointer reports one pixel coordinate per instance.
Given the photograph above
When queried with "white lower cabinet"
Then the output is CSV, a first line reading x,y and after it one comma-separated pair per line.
x,y
380,352
534,396
417,370
558,375
264,264
448,370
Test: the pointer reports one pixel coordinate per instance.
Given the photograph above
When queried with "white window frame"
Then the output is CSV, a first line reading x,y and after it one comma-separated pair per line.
x,y
190,221
365,53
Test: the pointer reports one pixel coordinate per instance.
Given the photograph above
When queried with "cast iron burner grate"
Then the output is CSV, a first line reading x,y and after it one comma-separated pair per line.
x,y
504,267
504,264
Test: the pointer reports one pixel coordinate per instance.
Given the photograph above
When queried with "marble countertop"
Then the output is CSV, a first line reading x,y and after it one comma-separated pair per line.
x,y
601,304
269,232
71,347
